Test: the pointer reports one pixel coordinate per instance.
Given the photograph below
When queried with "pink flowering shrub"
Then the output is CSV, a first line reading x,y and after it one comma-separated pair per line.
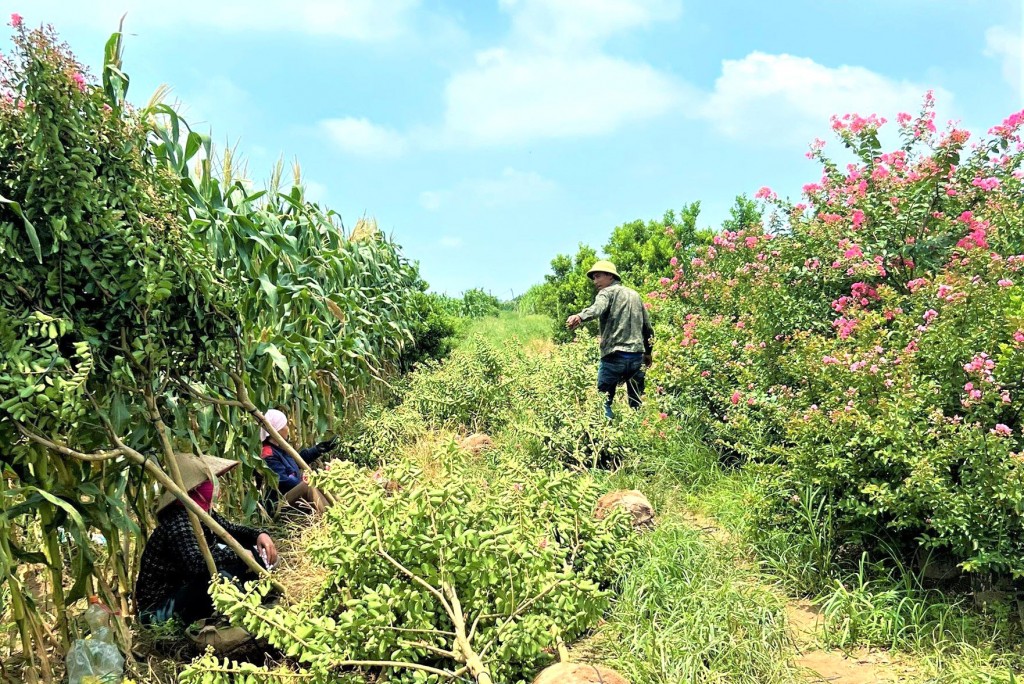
x,y
869,340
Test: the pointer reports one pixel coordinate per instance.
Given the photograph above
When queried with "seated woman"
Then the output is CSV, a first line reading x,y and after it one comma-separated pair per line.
x,y
173,576
291,481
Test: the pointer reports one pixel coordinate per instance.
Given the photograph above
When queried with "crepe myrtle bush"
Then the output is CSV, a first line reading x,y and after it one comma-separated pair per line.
x,y
868,341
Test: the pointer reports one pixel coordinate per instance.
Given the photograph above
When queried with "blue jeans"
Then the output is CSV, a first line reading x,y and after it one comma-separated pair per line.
x,y
618,368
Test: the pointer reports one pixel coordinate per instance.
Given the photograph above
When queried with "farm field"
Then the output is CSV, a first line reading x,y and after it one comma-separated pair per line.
x,y
825,481
695,598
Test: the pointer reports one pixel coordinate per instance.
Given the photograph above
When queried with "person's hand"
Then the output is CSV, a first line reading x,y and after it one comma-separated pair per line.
x,y
648,360
326,445
266,545
573,322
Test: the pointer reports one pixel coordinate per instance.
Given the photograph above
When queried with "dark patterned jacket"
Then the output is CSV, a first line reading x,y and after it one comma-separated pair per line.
x,y
172,558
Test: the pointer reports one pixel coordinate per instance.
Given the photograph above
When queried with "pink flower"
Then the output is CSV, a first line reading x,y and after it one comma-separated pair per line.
x,y
765,193
16,20
990,183
916,283
1018,336
1001,430
79,80
858,218
735,398
844,326
930,315
662,416
1005,282
1009,125
674,261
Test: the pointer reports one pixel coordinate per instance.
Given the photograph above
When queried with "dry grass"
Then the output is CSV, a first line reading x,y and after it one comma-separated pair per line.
x,y
301,577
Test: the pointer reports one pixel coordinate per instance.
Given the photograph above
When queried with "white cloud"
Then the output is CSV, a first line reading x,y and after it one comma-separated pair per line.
x,y
510,187
363,138
1008,46
569,25
549,78
514,97
553,79
450,242
782,99
359,20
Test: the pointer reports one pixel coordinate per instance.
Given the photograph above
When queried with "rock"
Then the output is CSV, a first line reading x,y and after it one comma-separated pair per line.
x,y
633,501
579,673
476,442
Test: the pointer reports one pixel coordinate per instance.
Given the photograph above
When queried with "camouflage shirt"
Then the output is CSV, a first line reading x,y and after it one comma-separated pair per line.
x,y
625,325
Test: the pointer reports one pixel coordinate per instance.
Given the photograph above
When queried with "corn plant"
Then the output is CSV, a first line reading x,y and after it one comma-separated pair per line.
x,y
148,305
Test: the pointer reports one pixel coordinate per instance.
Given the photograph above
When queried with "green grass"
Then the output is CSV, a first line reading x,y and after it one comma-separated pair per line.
x,y
689,611
507,327
880,604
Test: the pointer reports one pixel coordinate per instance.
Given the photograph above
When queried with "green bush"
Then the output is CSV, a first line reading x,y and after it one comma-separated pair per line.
x,y
433,330
869,343
476,303
381,434
519,549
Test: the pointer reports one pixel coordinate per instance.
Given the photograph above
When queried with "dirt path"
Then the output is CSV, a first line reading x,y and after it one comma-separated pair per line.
x,y
859,666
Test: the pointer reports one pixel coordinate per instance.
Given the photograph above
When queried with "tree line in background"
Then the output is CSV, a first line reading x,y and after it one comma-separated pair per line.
x,y
642,251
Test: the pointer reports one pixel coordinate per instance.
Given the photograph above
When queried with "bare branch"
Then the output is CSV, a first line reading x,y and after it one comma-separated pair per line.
x,y
106,455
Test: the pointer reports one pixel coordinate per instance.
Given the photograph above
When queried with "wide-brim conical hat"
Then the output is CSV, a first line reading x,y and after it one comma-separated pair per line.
x,y
195,470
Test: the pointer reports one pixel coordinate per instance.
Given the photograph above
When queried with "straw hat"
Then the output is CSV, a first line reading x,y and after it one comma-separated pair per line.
x,y
603,267
195,470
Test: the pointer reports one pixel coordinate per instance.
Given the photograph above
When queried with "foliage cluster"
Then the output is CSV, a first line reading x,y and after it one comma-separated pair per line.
x,y
484,387
868,342
150,303
516,549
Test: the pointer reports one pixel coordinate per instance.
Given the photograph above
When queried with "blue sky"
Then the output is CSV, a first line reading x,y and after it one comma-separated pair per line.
x,y
489,135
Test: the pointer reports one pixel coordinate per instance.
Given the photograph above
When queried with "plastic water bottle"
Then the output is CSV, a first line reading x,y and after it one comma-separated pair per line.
x,y
95,659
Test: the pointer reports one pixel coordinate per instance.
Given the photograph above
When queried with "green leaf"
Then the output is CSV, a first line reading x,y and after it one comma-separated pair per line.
x,y
269,288
30,230
192,145
276,356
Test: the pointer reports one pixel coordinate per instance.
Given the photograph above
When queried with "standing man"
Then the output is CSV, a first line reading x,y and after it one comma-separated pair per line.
x,y
626,334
